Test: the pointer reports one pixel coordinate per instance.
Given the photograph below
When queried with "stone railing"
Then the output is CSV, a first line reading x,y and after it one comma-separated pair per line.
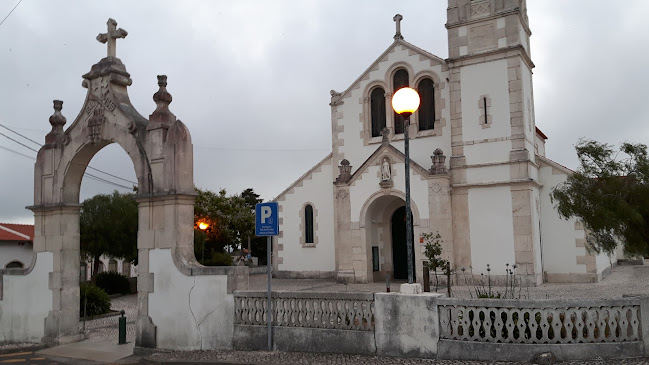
x,y
540,321
341,311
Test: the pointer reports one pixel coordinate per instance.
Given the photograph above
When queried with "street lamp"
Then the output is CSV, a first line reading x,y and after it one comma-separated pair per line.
x,y
202,225
405,102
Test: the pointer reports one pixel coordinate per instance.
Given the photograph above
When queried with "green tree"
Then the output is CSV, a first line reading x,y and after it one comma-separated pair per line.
x,y
108,226
433,252
230,218
609,193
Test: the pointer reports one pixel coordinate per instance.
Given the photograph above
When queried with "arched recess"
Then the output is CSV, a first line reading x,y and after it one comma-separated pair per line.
x,y
375,229
390,192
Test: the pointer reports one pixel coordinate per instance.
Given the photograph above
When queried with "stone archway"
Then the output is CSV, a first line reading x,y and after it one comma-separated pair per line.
x,y
377,229
162,154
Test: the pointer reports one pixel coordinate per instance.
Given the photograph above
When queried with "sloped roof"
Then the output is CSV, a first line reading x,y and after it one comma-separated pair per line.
x,y
555,164
16,232
397,42
302,178
414,166
540,134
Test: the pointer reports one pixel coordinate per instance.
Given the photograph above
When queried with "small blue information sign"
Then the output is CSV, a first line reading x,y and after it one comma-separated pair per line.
x,y
267,219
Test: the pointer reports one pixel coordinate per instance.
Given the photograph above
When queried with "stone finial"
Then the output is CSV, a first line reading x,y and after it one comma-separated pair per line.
x,y
345,172
111,36
161,116
385,132
57,120
438,162
397,19
162,96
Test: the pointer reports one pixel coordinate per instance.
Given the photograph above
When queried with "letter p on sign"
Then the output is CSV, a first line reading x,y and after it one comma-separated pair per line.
x,y
266,212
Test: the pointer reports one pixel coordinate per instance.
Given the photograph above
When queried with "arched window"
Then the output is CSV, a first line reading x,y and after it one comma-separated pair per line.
x,y
308,224
399,80
112,265
426,90
14,265
377,106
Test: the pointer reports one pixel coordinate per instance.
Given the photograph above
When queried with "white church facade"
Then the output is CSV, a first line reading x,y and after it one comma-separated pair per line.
x,y
479,175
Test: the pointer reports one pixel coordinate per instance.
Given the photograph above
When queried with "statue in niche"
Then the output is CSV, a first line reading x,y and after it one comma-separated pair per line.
x,y
386,173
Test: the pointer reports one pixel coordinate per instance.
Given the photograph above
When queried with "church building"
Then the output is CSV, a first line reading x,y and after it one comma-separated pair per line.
x,y
478,171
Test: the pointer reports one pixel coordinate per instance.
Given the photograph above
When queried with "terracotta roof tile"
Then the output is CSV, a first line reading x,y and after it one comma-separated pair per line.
x,y
16,232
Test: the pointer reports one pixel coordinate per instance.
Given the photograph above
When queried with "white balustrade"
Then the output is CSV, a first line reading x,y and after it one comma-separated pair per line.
x,y
539,322
344,311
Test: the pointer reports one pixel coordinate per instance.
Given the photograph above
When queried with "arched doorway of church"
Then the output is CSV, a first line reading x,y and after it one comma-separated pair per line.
x,y
399,246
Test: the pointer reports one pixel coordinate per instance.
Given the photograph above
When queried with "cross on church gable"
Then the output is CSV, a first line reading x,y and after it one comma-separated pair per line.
x,y
397,19
111,36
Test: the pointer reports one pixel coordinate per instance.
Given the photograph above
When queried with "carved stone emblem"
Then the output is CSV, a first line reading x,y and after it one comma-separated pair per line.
x,y
342,194
436,188
94,125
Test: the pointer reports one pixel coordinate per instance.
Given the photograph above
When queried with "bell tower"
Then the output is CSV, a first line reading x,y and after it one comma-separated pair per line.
x,y
492,124
483,26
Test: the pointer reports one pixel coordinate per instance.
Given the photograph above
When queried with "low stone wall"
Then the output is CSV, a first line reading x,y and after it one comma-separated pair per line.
x,y
430,326
516,330
314,322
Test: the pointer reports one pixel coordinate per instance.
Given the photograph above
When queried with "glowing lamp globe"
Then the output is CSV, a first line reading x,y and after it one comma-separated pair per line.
x,y
405,101
203,225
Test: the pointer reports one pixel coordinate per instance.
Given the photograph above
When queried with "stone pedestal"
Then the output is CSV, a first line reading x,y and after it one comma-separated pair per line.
x,y
414,288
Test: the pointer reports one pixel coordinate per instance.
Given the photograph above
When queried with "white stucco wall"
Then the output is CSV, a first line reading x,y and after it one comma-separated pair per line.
x,y
26,301
189,312
317,190
603,261
12,251
491,229
485,79
539,146
558,235
421,148
484,153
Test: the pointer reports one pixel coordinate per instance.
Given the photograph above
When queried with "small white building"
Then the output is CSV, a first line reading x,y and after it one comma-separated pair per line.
x,y
479,175
16,245
16,251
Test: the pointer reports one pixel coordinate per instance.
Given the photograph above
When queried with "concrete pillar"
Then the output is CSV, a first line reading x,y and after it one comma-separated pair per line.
x,y
406,324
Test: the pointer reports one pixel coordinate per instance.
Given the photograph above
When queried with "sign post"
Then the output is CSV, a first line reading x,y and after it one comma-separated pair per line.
x,y
267,224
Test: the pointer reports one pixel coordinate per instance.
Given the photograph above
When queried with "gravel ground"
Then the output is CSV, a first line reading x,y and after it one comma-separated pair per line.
x,y
296,358
622,280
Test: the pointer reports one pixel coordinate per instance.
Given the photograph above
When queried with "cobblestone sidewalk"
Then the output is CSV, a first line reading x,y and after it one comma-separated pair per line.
x,y
284,358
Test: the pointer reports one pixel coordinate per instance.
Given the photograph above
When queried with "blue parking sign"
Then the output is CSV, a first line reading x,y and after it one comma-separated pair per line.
x,y
267,219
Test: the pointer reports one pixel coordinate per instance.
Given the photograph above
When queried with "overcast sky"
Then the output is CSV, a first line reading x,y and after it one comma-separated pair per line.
x,y
251,79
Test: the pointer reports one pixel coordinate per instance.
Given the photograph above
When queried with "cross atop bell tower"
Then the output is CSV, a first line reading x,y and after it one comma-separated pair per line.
x,y
111,36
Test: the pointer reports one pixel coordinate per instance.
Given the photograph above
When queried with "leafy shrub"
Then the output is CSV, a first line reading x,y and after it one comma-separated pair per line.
x,y
97,300
112,282
220,259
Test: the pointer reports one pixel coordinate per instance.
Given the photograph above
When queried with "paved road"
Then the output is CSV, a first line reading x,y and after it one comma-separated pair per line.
x,y
24,357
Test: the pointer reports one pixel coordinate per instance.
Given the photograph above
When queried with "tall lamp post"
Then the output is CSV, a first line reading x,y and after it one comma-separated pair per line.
x,y
405,102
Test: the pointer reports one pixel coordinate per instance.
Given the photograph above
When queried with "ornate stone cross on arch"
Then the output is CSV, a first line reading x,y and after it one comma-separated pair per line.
x,y
111,36
397,19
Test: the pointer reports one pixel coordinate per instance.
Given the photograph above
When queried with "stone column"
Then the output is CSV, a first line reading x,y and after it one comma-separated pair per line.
x,y
441,213
58,230
343,234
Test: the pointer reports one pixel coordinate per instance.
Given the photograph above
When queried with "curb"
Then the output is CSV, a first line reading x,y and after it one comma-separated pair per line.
x,y
23,349
148,361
